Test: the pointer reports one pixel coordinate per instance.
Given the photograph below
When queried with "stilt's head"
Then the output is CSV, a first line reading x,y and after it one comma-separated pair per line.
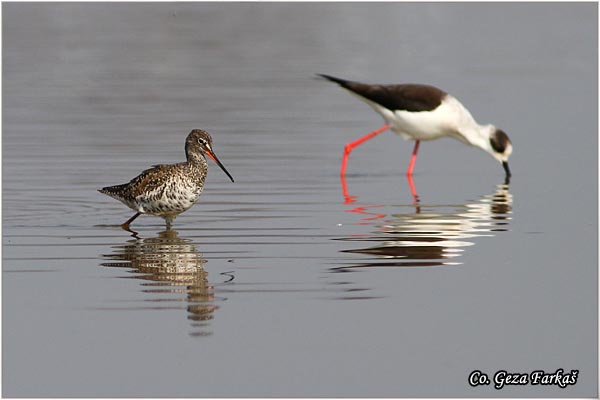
x,y
499,146
199,143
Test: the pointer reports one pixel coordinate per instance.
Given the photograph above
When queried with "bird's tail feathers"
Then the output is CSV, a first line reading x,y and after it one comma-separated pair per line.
x,y
339,81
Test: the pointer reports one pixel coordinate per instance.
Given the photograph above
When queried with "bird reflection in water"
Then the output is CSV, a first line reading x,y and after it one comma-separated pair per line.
x,y
171,266
431,235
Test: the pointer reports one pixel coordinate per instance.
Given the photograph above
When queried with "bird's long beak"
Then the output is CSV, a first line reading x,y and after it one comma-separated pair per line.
x,y
506,169
212,155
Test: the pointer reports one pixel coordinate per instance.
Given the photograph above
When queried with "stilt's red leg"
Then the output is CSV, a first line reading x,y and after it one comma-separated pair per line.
x,y
347,198
413,159
352,145
413,192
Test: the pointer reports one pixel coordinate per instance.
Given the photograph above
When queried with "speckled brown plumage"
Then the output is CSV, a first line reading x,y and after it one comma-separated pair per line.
x,y
168,190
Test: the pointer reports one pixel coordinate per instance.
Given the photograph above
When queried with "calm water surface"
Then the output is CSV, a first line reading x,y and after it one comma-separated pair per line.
x,y
290,281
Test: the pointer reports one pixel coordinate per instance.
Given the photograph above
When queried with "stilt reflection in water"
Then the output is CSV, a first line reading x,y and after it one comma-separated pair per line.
x,y
172,267
349,199
429,235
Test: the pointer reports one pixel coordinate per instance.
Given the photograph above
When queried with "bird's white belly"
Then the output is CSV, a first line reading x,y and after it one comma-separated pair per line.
x,y
423,125
448,119
169,202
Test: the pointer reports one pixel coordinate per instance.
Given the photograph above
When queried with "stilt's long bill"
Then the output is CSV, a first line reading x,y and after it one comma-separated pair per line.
x,y
423,112
168,190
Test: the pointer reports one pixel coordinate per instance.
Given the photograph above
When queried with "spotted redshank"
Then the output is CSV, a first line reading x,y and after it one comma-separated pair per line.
x,y
422,112
168,190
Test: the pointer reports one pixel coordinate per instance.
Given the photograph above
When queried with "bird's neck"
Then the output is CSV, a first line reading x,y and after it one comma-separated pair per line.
x,y
479,136
197,167
196,160
468,130
194,157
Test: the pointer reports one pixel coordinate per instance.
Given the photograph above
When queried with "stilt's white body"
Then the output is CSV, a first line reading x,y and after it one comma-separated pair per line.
x,y
423,112
449,119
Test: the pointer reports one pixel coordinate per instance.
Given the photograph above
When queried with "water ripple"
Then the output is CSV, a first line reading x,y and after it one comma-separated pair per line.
x,y
431,235
171,269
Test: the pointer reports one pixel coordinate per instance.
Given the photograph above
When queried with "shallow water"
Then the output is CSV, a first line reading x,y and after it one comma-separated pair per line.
x,y
290,281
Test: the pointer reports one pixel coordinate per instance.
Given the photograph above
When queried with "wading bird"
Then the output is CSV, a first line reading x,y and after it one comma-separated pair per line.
x,y
168,190
422,112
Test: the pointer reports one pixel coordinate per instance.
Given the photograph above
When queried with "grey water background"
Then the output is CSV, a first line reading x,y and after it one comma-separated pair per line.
x,y
281,284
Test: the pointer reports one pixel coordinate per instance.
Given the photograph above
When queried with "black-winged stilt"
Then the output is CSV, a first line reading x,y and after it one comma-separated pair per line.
x,y
422,112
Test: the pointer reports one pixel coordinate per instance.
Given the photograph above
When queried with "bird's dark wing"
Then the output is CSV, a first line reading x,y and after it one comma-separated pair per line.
x,y
407,97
